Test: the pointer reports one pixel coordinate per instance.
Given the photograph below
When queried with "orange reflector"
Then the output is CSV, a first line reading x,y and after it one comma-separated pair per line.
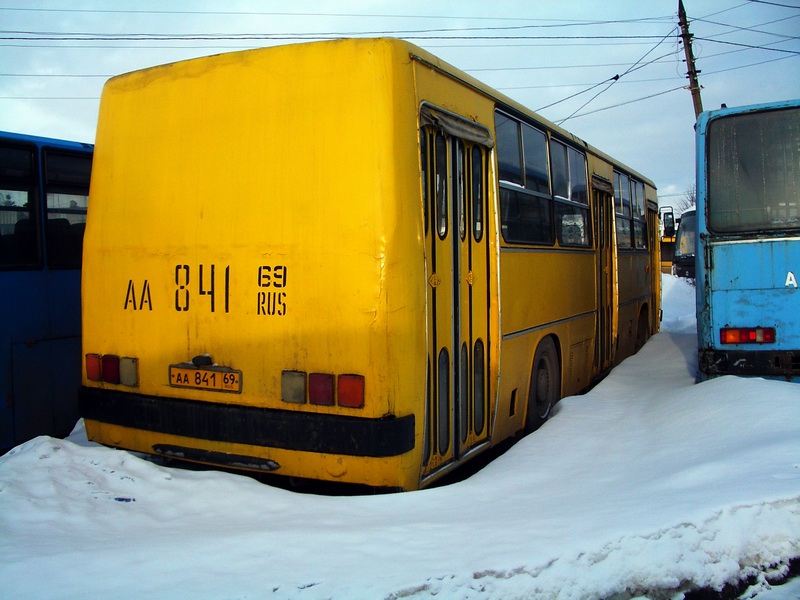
x,y
94,367
747,335
320,389
293,387
350,391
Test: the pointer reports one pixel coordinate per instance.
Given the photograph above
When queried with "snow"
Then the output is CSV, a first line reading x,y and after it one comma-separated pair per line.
x,y
644,487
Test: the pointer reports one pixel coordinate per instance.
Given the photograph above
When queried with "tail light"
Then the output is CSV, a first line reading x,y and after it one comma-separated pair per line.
x,y
747,335
110,368
320,389
350,391
323,389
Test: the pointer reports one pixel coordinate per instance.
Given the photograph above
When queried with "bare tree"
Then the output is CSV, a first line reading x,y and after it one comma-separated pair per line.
x,y
686,201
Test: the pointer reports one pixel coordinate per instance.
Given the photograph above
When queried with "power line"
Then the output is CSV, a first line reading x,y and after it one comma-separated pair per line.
x,y
775,4
750,46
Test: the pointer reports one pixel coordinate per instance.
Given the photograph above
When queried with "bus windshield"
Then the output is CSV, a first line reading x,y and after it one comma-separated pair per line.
x,y
754,172
685,238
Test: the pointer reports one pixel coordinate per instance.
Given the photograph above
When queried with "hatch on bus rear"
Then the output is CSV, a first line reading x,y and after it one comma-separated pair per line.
x,y
755,307
230,260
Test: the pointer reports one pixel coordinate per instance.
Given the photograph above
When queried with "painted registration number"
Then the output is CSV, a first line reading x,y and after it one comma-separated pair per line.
x,y
213,379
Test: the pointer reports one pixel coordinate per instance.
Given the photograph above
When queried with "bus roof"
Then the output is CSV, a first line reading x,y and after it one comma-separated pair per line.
x,y
45,141
440,65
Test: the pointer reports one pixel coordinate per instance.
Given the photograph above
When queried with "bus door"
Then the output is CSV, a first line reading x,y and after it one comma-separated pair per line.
x,y
458,296
606,332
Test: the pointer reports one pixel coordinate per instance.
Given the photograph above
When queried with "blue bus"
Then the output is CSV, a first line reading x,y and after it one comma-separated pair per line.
x,y
748,241
44,190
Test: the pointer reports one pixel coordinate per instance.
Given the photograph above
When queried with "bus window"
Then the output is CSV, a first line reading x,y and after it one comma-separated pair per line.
x,y
558,162
526,212
569,189
622,200
17,186
534,147
754,172
508,149
67,193
639,223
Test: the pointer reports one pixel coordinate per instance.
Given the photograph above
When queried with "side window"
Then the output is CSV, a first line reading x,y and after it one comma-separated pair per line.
x,y
534,148
631,216
622,201
18,199
573,224
558,159
639,217
526,206
509,163
67,191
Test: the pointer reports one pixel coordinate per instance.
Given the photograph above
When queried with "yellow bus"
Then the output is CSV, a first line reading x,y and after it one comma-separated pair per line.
x,y
348,261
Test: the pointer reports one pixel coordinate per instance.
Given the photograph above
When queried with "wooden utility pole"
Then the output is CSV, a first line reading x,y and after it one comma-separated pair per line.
x,y
694,86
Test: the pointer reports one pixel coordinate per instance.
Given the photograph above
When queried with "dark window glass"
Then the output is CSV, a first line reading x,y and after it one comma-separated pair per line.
x,y
509,163
525,217
443,401
477,193
67,189
560,168
423,157
478,387
535,150
18,198
459,186
441,185
754,172
577,177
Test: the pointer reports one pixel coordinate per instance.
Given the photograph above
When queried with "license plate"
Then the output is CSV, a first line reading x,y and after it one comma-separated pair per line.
x,y
219,379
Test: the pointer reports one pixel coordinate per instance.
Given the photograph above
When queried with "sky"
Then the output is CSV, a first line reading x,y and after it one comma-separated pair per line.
x,y
642,487
557,58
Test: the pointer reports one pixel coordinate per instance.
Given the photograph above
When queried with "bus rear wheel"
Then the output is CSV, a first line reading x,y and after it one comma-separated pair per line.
x,y
545,387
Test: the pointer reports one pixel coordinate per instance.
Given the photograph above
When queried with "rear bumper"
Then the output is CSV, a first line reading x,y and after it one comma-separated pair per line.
x,y
264,427
784,364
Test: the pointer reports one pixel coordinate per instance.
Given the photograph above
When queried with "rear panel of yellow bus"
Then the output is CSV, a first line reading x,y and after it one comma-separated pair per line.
x,y
254,285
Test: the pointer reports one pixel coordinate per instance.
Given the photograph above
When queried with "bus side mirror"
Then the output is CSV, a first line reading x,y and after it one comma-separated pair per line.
x,y
669,224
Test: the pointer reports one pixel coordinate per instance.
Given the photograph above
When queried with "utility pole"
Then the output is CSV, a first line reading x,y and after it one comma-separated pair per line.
x,y
694,86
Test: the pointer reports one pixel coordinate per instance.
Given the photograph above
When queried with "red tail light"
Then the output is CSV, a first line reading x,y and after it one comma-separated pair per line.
x,y
94,367
320,389
324,389
747,335
112,369
350,391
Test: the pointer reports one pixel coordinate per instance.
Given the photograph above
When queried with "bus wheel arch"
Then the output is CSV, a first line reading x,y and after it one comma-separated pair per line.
x,y
544,389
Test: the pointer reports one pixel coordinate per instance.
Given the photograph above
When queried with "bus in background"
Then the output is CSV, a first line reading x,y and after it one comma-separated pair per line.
x,y
666,221
683,256
748,241
370,285
44,187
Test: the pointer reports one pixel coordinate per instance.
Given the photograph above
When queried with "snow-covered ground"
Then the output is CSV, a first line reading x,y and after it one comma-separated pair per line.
x,y
642,487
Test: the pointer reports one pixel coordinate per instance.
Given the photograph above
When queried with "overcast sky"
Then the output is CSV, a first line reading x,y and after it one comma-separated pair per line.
x,y
557,57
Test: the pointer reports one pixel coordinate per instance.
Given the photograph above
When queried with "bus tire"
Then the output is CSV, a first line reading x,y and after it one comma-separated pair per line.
x,y
545,386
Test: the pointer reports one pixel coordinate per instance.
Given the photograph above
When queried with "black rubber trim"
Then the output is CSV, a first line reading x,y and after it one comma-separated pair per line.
x,y
270,428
